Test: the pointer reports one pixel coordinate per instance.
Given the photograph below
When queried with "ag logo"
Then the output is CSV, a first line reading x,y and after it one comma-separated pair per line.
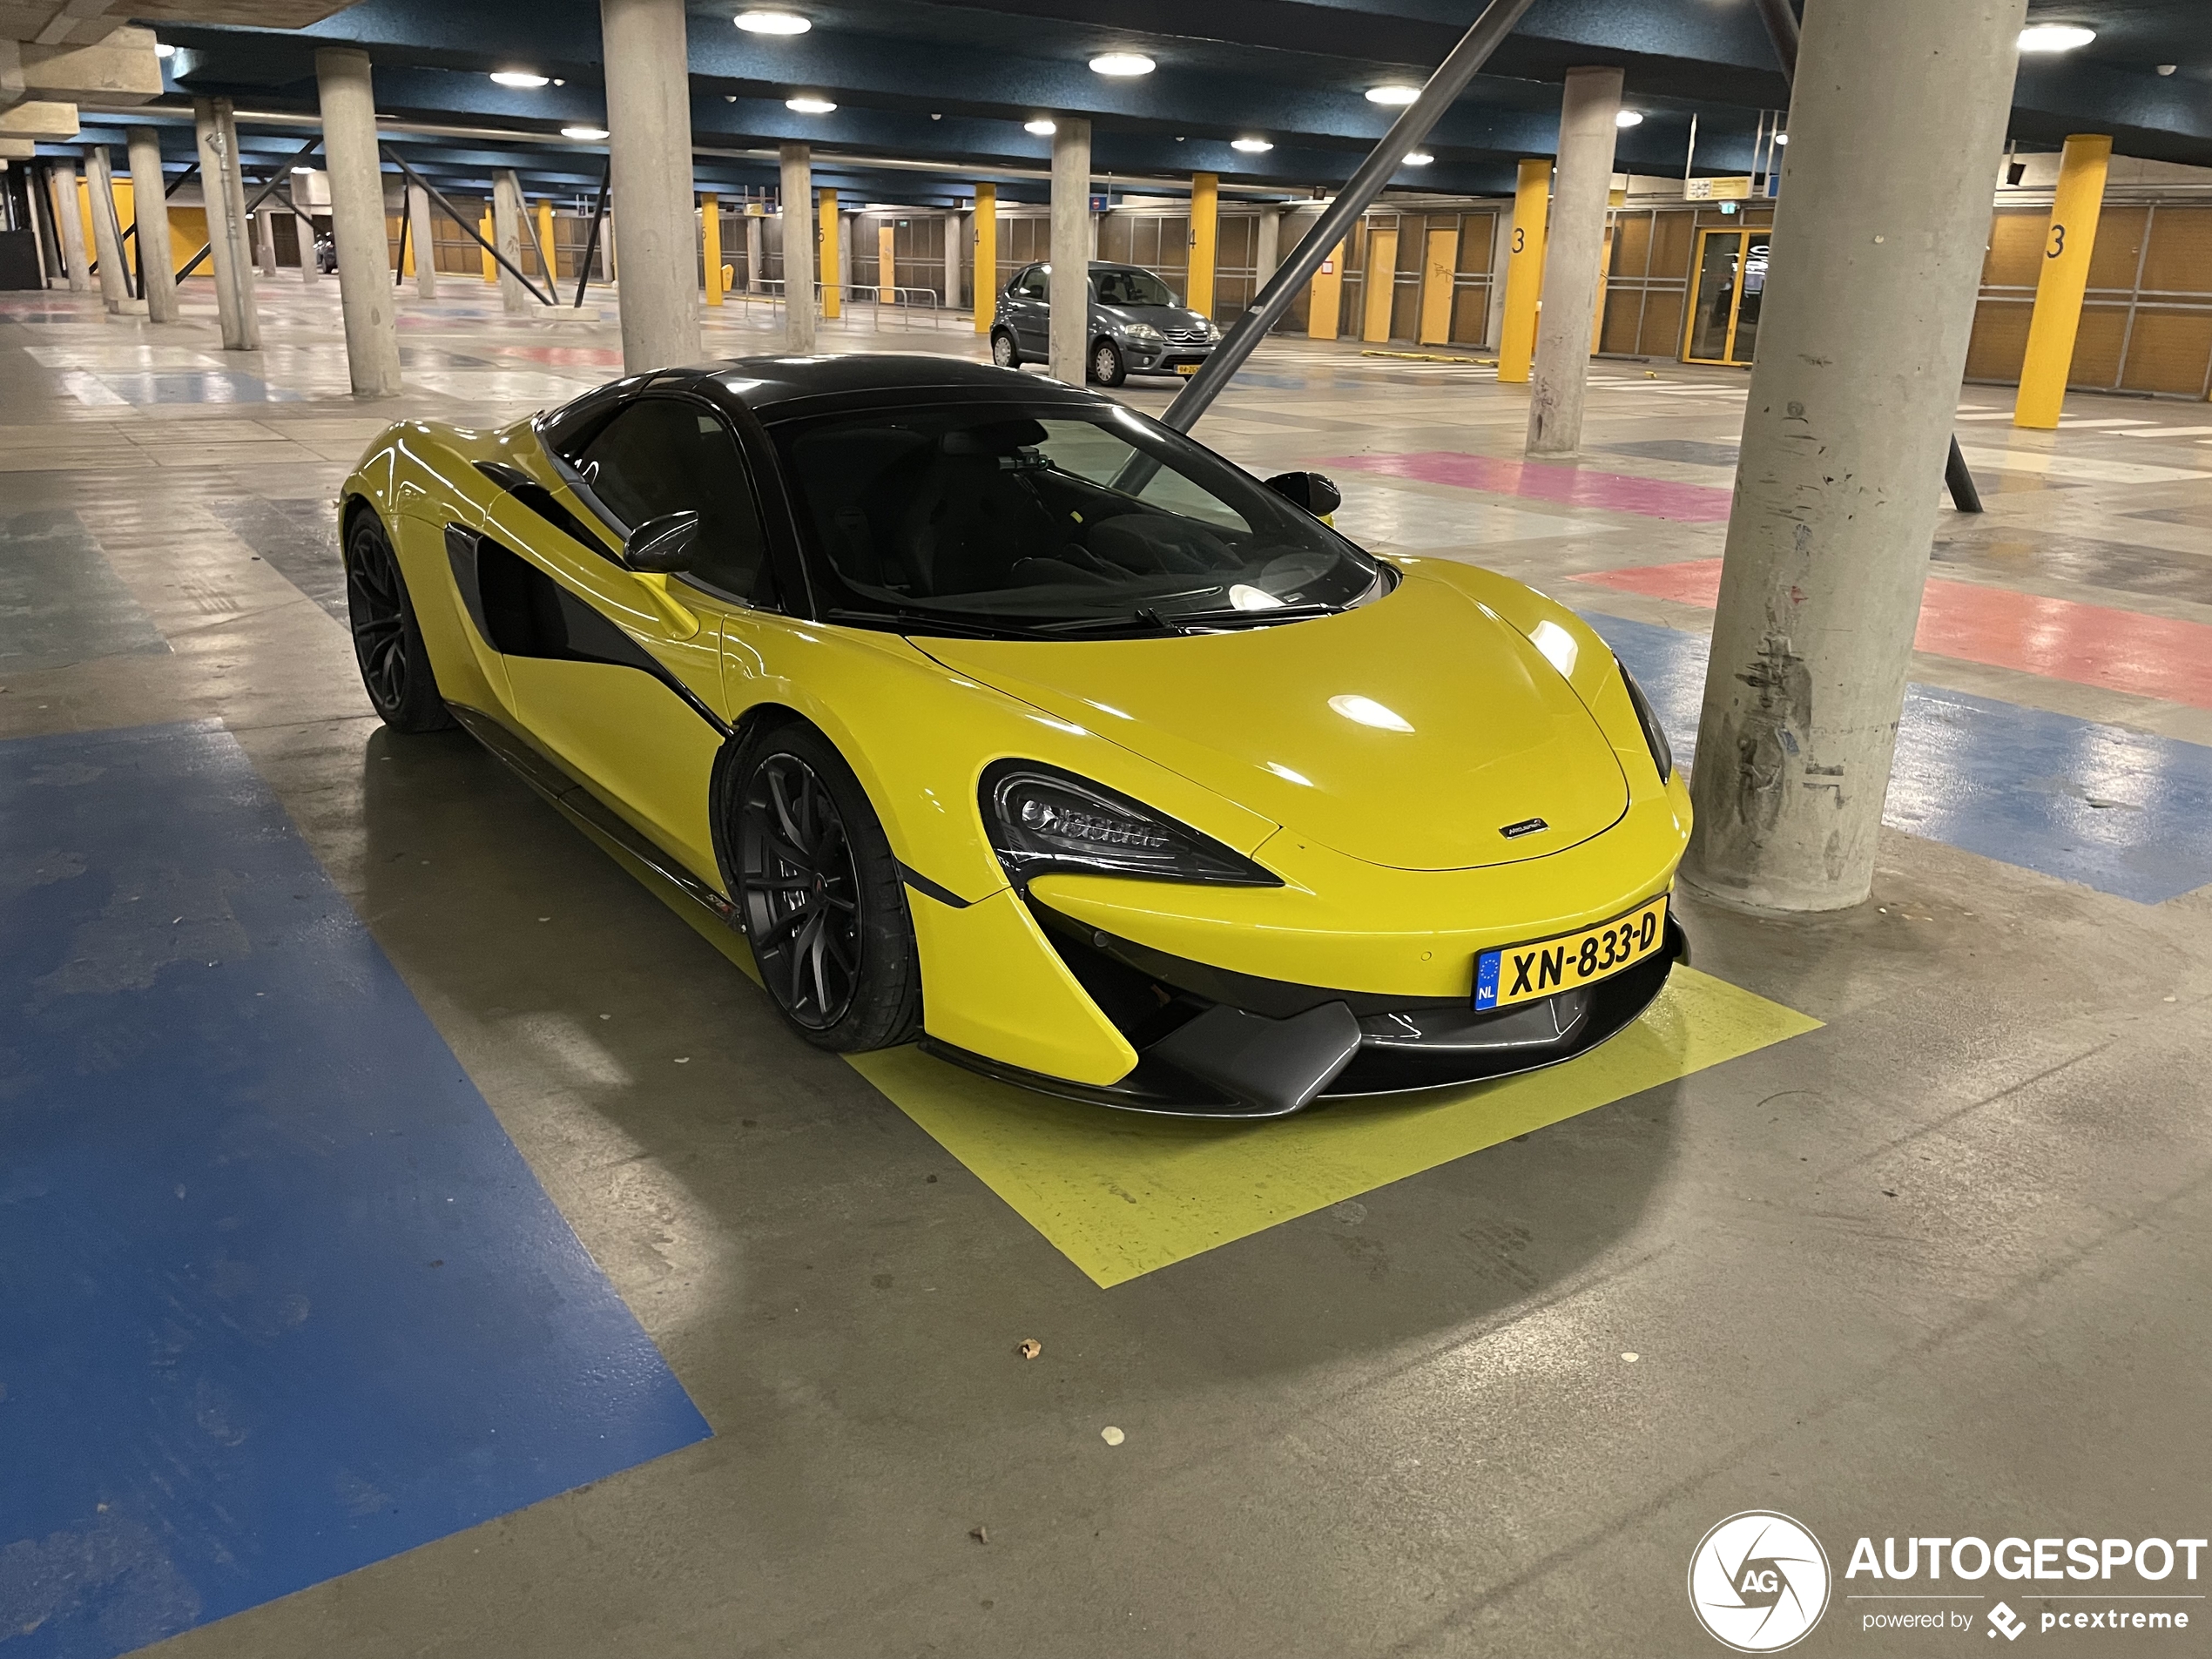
x,y
1758,1581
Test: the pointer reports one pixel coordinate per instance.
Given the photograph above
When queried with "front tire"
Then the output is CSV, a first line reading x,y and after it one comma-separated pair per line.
x,y
1004,351
821,899
1106,366
388,641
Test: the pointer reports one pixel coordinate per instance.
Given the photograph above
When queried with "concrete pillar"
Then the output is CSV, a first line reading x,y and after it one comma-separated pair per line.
x,y
1069,335
1205,241
264,240
1502,239
1575,242
756,241
649,118
303,226
69,222
799,248
425,240
107,236
987,256
1524,271
223,191
150,206
2061,280
507,212
1900,110
365,285
1270,246
711,246
956,235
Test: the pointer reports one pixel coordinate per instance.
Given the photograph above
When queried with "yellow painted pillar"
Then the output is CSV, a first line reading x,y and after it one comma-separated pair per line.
x,y
483,229
1205,241
85,212
1325,297
711,238
1524,271
832,274
987,256
2060,285
1439,276
552,260
406,253
886,261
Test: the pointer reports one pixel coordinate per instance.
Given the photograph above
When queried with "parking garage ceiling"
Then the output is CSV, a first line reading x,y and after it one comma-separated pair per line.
x,y
932,96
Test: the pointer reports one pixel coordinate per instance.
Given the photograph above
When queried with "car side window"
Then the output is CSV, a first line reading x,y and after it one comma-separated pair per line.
x,y
664,454
1030,284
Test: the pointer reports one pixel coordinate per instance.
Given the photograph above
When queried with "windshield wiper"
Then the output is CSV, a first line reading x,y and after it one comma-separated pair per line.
x,y
907,621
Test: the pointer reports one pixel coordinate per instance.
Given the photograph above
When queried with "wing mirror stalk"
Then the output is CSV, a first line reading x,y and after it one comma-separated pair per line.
x,y
663,546
1307,489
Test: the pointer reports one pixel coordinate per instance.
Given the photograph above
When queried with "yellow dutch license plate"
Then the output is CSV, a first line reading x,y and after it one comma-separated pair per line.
x,y
1186,369
1523,973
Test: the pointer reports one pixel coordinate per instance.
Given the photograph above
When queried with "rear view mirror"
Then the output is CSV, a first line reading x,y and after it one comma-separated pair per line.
x,y
663,546
1309,490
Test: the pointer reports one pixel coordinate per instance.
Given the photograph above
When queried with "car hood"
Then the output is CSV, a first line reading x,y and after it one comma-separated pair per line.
x,y
1161,317
1409,733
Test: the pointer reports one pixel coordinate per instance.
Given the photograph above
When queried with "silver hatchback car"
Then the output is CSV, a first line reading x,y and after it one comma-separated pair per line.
x,y
1137,327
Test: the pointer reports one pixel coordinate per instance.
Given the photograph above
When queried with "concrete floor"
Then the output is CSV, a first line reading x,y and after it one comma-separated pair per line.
x,y
1937,1267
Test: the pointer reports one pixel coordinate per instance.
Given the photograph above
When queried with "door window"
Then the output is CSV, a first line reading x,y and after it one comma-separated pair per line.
x,y
1030,284
664,454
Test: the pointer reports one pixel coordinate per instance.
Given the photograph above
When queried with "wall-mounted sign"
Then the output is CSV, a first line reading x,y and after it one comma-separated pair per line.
x,y
1735,188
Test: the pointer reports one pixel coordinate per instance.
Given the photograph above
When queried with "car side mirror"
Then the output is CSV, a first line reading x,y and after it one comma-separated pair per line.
x,y
663,546
1310,490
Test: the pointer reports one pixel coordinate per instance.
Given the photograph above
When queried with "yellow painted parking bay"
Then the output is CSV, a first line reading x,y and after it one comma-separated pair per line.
x,y
1123,1194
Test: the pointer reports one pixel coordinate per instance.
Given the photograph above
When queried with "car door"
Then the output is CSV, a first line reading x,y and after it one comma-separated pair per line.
x,y
623,683
1031,313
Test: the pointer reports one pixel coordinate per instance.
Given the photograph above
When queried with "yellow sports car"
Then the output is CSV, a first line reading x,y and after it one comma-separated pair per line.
x,y
997,714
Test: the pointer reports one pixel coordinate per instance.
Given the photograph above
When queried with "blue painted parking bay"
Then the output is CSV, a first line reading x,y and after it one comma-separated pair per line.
x,y
281,1297
2124,812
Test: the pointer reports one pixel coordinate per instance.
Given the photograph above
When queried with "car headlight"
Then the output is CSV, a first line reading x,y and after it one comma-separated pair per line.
x,y
1663,752
1213,332
1040,819
1141,332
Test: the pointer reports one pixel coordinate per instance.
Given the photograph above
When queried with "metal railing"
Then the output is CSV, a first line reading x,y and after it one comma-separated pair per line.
x,y
852,297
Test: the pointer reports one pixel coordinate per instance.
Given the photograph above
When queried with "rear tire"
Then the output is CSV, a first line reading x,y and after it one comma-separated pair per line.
x,y
1106,366
1004,351
822,901
388,642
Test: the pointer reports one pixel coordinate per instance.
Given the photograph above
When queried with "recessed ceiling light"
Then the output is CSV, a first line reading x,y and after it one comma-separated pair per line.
x,y
809,106
588,135
2055,36
772,23
1122,64
1251,146
1397,97
163,48
1042,127
524,78
1419,159
1782,137
1627,117
2167,69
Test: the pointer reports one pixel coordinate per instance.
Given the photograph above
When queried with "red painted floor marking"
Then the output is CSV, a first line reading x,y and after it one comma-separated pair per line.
x,y
1616,492
2062,639
564,356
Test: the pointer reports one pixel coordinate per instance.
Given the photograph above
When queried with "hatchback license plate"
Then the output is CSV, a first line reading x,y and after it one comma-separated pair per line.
x,y
1186,369
1524,972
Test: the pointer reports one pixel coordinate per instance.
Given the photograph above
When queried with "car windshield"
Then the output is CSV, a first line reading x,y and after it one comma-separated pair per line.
x,y
1055,522
1132,288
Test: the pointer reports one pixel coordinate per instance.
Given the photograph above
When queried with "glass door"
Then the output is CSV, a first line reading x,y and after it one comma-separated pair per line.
x,y
1731,281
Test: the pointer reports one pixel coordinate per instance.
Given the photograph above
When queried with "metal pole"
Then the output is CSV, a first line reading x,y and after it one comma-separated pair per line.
x,y
1782,29
454,213
591,242
1406,133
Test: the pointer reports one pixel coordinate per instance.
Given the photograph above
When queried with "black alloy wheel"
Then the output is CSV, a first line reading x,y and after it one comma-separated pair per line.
x,y
388,642
821,897
1106,366
1004,351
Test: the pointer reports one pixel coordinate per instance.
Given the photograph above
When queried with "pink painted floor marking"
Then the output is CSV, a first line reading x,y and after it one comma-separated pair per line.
x,y
1617,492
2063,639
